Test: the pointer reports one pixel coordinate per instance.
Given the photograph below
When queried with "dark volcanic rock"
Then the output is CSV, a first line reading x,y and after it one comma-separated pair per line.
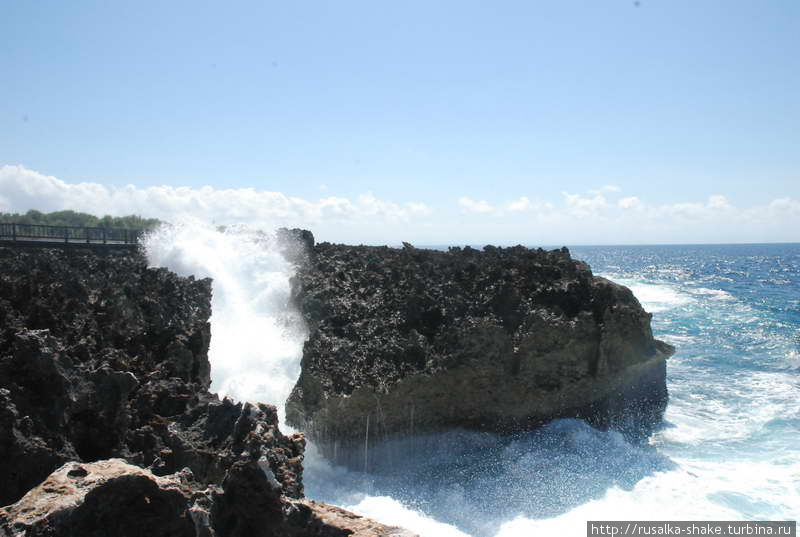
x,y
102,357
410,340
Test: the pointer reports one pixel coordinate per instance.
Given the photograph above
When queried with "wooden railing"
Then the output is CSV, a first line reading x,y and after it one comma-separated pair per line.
x,y
41,235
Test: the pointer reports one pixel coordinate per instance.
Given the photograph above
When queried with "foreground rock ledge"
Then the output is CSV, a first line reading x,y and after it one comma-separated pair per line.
x,y
406,341
112,497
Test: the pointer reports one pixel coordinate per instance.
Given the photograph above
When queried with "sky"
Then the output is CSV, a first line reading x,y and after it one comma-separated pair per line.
x,y
435,122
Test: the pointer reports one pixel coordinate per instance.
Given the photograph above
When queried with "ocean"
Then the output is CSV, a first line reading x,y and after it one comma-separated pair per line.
x,y
729,447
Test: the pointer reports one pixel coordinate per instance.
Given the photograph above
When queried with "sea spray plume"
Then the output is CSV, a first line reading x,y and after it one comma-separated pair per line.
x,y
256,335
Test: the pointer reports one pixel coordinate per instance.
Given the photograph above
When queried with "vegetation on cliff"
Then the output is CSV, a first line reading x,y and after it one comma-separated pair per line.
x,y
78,219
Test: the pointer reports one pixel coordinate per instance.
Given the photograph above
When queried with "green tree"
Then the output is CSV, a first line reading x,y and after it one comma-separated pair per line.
x,y
77,219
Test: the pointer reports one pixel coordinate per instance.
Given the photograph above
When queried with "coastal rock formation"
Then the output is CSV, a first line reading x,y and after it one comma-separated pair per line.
x,y
112,497
406,341
104,379
332,521
108,497
101,357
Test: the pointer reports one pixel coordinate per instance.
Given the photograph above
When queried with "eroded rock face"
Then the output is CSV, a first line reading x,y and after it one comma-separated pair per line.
x,y
410,340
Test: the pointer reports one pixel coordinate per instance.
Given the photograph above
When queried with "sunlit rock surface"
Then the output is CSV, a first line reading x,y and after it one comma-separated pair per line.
x,y
112,497
405,341
109,497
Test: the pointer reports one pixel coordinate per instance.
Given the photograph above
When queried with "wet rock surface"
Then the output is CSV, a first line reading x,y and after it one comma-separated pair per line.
x,y
104,379
412,340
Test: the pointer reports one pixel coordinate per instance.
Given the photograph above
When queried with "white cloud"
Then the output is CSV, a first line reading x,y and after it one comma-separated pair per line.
x,y
473,206
518,207
631,202
525,204
718,202
600,216
712,208
24,189
785,206
521,204
419,209
584,206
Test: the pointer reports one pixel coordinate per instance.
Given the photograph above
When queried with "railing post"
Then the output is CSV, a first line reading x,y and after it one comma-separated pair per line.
x,y
14,232
104,235
66,234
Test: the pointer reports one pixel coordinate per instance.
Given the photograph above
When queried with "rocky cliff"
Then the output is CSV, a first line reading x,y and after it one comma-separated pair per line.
x,y
406,341
106,422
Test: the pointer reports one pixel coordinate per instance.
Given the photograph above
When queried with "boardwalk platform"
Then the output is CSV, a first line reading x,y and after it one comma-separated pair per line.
x,y
35,235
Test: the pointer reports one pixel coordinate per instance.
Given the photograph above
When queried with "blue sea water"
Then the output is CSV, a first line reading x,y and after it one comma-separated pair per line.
x,y
729,448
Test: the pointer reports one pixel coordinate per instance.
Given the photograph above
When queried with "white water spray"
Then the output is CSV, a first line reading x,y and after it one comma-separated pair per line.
x,y
256,335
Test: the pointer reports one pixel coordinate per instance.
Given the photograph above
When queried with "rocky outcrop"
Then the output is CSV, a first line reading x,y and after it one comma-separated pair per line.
x,y
101,357
104,379
112,497
109,497
411,340
332,521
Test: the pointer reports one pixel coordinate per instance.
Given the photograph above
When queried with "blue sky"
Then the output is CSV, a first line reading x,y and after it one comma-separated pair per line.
x,y
428,103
